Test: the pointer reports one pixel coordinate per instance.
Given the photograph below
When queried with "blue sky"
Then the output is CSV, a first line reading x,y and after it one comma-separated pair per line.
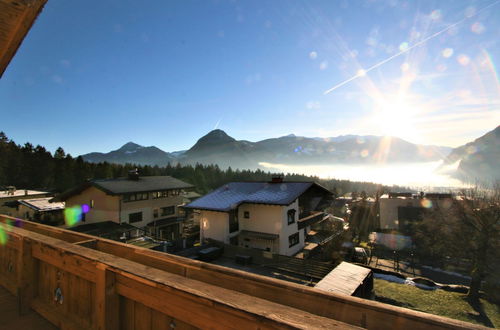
x,y
92,75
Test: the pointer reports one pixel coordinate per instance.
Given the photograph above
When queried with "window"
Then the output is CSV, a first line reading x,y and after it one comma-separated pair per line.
x,y
291,216
155,213
91,204
160,194
246,215
169,210
135,217
135,197
293,239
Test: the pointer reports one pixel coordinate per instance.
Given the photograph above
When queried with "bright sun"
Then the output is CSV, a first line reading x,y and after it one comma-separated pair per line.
x,y
395,116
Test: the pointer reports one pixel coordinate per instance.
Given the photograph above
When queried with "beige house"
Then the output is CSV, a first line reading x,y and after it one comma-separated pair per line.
x,y
262,215
399,210
9,199
135,200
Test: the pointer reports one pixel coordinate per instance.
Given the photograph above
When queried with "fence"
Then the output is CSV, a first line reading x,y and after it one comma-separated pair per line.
x,y
77,281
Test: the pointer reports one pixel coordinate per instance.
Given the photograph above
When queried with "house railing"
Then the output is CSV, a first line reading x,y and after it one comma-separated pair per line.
x,y
80,281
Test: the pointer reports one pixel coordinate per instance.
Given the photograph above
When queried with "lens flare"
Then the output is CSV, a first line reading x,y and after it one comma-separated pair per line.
x,y
435,14
463,59
85,208
3,235
447,52
73,215
477,28
426,203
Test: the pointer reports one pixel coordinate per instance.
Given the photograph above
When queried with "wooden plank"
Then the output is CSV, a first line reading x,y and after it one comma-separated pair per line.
x,y
127,313
161,321
209,313
74,304
9,264
142,256
89,243
106,300
70,262
8,284
270,289
20,23
27,276
13,241
53,316
50,231
199,315
142,317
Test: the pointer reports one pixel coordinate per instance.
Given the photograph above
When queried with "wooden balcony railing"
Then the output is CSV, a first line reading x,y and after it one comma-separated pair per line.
x,y
77,281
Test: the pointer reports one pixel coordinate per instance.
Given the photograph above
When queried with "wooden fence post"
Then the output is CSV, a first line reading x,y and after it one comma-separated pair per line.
x,y
107,300
27,273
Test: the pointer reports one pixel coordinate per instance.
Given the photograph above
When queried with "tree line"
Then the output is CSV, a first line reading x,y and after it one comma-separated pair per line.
x,y
34,167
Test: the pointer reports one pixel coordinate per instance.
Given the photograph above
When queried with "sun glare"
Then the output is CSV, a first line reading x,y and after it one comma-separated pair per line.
x,y
395,116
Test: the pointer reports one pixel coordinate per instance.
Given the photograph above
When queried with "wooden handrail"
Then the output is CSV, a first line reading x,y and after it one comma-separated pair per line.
x,y
203,283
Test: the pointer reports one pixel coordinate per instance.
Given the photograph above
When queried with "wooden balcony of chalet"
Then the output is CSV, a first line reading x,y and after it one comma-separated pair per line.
x,y
77,281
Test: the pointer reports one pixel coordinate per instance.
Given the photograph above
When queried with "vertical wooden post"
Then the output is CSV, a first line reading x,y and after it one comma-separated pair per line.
x,y
107,300
26,276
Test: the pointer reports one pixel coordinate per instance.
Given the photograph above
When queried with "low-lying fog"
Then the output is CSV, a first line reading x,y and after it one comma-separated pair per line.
x,y
404,174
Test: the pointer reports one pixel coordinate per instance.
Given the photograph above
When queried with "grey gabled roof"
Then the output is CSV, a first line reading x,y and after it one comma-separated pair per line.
x,y
143,184
231,195
120,186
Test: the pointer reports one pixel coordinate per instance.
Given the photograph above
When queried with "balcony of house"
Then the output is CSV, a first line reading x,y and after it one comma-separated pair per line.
x,y
311,219
79,281
258,240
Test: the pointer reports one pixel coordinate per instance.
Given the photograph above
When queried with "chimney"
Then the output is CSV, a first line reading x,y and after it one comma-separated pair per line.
x,y
25,192
133,175
277,179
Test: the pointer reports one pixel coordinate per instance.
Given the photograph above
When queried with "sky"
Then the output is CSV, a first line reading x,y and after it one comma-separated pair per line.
x,y
93,75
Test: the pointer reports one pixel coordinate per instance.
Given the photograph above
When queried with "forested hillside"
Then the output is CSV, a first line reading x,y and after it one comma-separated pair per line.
x,y
30,167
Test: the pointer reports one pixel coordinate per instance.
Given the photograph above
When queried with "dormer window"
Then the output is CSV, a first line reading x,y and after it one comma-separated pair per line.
x,y
291,216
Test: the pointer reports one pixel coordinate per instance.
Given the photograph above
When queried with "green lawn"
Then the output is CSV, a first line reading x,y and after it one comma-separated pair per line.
x,y
439,302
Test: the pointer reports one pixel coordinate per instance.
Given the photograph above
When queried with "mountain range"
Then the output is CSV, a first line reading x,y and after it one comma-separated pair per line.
x,y
132,153
478,160
219,148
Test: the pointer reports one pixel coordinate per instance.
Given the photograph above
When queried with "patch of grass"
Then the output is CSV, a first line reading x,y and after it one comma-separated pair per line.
x,y
439,302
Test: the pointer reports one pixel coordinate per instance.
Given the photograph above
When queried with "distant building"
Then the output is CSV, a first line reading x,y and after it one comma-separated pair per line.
x,y
273,216
136,200
9,197
41,210
399,210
